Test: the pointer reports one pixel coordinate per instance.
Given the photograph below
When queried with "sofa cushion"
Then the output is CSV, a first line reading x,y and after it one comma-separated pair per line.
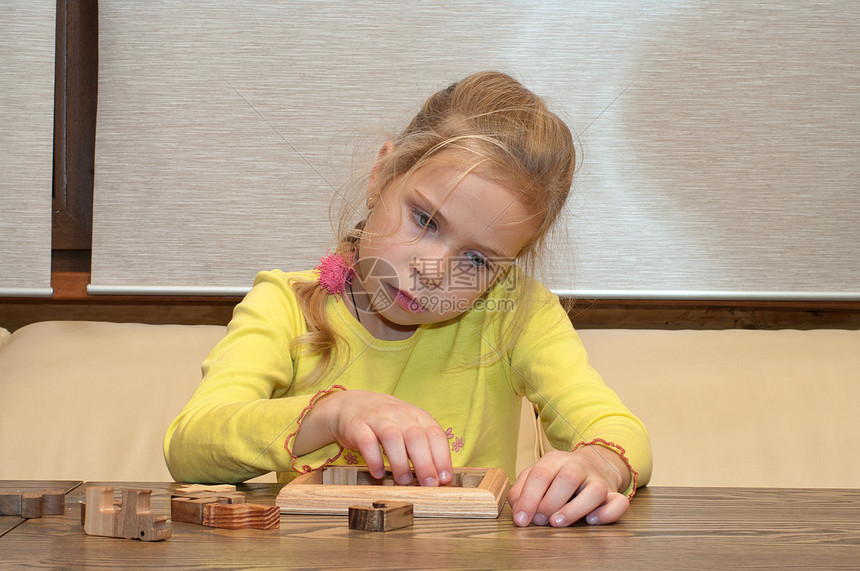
x,y
92,401
740,407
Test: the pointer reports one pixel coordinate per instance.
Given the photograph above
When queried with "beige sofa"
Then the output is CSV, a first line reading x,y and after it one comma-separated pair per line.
x,y
91,401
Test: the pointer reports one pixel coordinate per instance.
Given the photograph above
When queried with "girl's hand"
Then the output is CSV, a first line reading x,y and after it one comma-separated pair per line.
x,y
366,421
563,487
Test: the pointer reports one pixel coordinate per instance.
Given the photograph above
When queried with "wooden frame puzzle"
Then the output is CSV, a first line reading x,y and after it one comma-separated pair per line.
x,y
473,493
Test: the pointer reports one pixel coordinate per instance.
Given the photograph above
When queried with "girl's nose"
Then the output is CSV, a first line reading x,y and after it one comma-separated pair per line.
x,y
430,268
429,272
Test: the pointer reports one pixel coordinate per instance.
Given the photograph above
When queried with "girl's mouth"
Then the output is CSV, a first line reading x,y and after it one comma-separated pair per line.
x,y
404,300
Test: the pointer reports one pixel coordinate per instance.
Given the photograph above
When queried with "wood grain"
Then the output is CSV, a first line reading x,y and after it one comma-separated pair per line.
x,y
241,516
219,490
10,522
380,516
665,528
75,124
32,504
188,503
132,518
207,505
475,493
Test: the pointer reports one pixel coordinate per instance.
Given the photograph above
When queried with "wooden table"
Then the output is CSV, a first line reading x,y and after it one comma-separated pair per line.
x,y
665,528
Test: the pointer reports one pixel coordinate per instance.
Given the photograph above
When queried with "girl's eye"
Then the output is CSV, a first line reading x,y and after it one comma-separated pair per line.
x,y
477,260
423,219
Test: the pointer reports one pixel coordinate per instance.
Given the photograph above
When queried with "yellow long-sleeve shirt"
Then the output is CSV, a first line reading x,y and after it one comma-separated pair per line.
x,y
251,399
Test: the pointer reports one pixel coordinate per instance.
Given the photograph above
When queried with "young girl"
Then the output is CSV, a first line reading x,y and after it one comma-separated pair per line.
x,y
412,345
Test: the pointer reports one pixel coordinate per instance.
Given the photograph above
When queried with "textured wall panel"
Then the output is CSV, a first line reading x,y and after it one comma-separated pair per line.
x,y
719,139
27,29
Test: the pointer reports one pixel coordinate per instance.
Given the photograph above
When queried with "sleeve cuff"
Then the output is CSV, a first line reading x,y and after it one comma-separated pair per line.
x,y
288,444
630,491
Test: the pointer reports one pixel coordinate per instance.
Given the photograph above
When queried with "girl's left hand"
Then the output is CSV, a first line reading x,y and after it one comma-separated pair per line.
x,y
563,487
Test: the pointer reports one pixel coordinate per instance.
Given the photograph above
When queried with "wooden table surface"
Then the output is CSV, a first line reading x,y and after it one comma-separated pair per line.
x,y
665,528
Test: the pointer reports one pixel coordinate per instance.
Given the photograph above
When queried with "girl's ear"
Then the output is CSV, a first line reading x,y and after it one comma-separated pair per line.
x,y
372,191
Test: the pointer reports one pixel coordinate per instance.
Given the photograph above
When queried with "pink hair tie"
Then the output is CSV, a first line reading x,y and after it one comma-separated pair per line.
x,y
335,272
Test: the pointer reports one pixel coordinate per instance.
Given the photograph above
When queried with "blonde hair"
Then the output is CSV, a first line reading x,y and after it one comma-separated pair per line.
x,y
494,125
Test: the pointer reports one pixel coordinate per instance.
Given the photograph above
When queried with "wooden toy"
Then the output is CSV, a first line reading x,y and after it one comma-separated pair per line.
x,y
197,490
187,502
130,519
239,516
221,506
380,516
473,493
33,504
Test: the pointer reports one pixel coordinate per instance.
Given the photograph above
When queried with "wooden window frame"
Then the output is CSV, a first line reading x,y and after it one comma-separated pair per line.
x,y
75,100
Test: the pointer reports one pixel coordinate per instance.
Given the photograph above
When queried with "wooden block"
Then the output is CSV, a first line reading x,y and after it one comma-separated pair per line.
x,y
32,504
190,509
187,510
197,489
472,480
225,497
137,519
240,516
380,516
474,492
347,476
100,514
117,504
131,520
187,502
54,502
10,504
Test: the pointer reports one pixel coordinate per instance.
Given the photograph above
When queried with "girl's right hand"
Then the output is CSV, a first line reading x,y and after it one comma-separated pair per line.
x,y
372,423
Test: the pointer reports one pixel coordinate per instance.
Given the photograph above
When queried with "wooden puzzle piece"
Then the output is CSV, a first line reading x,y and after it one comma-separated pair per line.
x,y
241,516
360,476
33,504
187,501
474,492
223,490
221,506
190,509
132,519
380,516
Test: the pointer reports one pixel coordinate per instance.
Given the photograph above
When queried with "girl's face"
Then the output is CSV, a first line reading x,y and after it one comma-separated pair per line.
x,y
433,244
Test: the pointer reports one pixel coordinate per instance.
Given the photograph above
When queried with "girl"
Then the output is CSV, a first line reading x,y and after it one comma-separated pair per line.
x,y
416,340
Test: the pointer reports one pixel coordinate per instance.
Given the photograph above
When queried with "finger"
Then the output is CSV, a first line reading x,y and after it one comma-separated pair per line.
x,y
440,452
369,447
391,438
514,492
565,485
611,511
592,495
533,489
418,447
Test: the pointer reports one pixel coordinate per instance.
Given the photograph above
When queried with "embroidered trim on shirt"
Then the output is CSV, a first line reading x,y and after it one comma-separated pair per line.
x,y
305,469
622,453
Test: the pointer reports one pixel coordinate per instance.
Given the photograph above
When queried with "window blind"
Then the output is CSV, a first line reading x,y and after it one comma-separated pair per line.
x,y
719,141
27,30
